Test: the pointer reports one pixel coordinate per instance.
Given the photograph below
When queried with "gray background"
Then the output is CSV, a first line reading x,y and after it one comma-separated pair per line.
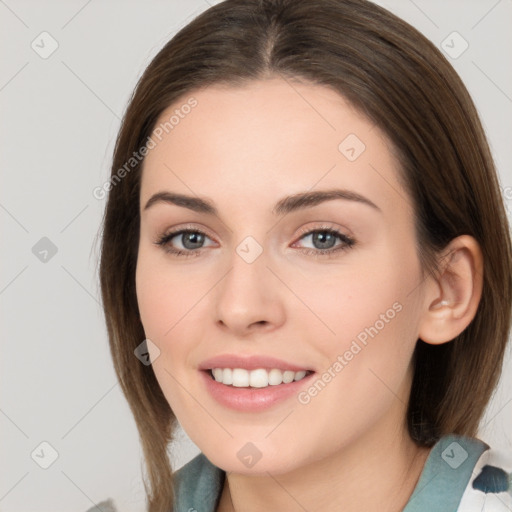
x,y
59,119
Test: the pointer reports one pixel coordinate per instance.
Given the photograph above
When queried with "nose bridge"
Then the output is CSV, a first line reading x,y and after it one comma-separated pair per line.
x,y
248,273
248,294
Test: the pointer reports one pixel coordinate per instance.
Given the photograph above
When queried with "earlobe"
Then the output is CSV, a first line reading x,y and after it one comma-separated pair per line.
x,y
452,298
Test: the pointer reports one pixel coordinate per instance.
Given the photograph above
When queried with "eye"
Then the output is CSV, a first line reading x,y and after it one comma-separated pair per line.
x,y
324,241
190,239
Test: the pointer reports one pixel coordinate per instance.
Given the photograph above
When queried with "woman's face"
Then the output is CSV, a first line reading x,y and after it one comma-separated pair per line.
x,y
268,276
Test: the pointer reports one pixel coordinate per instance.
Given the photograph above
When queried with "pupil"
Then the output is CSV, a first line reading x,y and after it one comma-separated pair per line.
x,y
322,238
193,238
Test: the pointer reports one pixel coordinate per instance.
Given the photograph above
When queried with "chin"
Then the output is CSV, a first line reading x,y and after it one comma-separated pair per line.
x,y
252,462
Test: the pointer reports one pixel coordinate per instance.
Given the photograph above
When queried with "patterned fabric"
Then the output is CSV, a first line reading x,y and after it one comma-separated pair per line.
x,y
490,488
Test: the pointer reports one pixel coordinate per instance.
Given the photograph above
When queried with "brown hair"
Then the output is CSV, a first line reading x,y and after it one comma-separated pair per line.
x,y
401,82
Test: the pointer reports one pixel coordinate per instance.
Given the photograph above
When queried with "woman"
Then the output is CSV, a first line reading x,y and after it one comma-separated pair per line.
x,y
306,262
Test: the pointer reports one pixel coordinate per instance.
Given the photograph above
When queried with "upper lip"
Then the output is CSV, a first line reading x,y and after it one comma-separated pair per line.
x,y
249,363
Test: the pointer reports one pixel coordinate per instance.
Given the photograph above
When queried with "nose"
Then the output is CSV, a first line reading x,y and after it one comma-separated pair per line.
x,y
250,298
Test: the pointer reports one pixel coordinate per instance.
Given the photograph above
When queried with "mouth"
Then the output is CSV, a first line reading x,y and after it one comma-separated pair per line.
x,y
257,378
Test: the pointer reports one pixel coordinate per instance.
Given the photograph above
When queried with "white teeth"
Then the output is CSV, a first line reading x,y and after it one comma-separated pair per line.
x,y
240,378
288,377
227,376
260,378
275,377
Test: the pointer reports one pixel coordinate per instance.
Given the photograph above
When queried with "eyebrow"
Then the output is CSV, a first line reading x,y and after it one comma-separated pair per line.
x,y
282,207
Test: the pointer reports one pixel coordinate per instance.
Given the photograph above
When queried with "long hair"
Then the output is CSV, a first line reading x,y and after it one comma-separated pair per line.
x,y
401,82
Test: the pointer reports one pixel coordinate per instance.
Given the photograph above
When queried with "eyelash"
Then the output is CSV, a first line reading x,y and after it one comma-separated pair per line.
x,y
348,243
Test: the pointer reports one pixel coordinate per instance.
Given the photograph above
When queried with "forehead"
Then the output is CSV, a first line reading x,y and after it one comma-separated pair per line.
x,y
268,139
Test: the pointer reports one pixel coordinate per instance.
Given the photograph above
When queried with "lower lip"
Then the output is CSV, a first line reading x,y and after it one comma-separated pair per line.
x,y
252,399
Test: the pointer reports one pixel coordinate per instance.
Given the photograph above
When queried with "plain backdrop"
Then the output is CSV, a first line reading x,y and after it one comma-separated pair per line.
x,y
67,71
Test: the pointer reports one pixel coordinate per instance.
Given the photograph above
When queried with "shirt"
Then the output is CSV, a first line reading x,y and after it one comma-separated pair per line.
x,y
461,474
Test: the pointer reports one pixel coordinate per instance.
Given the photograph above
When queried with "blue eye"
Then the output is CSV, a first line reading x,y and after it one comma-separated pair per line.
x,y
325,241
192,241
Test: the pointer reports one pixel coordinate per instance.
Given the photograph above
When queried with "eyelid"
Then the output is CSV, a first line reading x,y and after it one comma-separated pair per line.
x,y
324,226
187,227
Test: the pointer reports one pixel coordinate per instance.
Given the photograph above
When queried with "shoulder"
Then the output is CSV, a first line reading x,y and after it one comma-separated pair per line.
x,y
198,485
464,474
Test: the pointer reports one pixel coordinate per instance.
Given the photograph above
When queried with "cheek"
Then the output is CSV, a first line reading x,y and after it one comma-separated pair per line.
x,y
348,303
172,304
153,300
163,296
365,374
166,305
365,328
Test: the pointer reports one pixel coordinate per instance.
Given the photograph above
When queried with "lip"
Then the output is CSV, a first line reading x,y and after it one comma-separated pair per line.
x,y
252,399
250,363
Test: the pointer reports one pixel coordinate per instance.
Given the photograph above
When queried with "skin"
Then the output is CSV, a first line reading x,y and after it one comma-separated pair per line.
x,y
244,149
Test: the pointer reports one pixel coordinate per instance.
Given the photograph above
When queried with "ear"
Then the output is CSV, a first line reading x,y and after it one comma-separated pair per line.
x,y
451,299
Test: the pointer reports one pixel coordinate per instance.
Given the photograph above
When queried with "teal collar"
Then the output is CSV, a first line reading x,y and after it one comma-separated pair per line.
x,y
446,474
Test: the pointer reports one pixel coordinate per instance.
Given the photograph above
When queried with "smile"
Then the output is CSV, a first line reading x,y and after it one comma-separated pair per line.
x,y
258,378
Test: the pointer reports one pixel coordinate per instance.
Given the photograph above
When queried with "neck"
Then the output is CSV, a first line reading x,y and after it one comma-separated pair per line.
x,y
370,474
